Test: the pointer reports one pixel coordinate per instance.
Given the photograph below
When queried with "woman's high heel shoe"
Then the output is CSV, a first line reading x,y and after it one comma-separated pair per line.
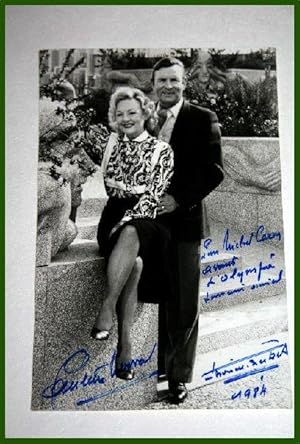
x,y
128,375
100,335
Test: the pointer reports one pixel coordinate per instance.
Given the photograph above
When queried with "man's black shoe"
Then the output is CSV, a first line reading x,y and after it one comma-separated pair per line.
x,y
177,392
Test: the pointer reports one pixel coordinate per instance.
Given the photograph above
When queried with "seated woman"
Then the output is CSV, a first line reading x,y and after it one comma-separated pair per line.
x,y
137,168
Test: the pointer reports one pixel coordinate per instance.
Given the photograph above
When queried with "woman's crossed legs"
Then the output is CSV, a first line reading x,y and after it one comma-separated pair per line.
x,y
123,274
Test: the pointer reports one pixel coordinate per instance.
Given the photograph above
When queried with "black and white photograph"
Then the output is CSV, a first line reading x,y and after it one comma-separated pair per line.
x,y
143,154
160,263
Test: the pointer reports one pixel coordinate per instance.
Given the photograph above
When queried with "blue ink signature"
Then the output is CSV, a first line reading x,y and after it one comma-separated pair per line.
x,y
117,389
247,365
250,392
64,383
244,241
260,235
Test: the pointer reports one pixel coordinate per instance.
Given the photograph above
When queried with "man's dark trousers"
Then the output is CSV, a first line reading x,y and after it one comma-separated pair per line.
x,y
197,171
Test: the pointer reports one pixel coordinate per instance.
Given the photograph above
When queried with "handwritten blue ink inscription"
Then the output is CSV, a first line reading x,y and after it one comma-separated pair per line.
x,y
260,362
207,252
251,392
219,266
231,243
252,278
66,379
260,235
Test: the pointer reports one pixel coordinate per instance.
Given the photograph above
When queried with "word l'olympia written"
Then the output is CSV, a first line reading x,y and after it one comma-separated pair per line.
x,y
220,273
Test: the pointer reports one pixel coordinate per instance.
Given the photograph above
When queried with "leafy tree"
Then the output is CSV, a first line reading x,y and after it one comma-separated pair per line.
x,y
244,109
63,122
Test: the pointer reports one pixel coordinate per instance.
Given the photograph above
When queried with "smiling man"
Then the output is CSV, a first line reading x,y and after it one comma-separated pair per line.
x,y
194,135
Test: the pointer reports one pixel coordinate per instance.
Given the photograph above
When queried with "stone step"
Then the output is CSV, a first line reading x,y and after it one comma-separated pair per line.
x,y
68,295
212,389
91,207
228,333
242,322
87,227
277,382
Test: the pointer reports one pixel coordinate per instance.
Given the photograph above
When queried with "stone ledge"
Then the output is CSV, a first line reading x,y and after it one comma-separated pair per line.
x,y
67,297
86,250
80,250
85,253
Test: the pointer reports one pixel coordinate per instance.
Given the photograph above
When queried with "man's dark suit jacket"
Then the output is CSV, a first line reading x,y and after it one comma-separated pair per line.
x,y
196,142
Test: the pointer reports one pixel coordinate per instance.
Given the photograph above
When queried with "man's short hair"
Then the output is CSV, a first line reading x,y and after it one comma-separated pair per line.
x,y
166,62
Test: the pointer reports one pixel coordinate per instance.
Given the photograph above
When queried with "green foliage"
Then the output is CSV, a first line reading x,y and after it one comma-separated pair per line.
x,y
54,86
63,122
252,60
44,56
244,109
129,59
223,61
257,59
126,59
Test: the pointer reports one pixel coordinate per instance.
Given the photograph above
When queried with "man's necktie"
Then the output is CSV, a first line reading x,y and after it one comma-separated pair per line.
x,y
162,116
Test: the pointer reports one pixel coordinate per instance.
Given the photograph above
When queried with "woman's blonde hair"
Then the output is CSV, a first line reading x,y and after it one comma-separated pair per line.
x,y
127,92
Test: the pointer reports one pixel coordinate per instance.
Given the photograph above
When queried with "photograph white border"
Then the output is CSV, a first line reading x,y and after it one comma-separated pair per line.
x,y
31,28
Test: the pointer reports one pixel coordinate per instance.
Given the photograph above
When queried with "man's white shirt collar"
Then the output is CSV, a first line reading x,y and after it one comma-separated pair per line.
x,y
174,110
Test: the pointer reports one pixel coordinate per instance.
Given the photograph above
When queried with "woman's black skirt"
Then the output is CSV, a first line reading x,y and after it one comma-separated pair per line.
x,y
157,279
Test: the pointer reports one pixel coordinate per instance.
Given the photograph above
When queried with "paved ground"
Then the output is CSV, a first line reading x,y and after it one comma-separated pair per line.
x,y
267,389
233,333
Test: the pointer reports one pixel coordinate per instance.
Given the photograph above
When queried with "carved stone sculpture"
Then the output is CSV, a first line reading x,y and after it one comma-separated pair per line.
x,y
59,183
55,230
258,167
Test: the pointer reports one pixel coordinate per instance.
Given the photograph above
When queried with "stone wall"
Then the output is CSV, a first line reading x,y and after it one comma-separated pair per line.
x,y
71,371
250,194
